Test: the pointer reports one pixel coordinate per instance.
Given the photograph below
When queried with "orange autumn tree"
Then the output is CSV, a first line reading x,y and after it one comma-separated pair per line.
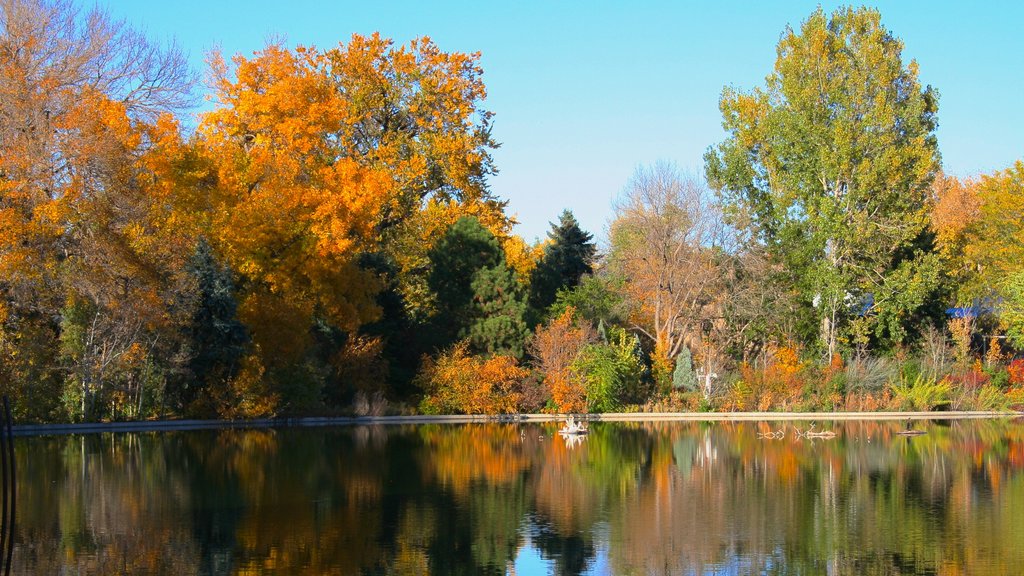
x,y
978,226
554,348
75,89
125,283
320,157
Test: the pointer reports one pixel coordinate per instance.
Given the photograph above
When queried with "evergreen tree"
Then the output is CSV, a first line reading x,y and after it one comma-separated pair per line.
x,y
684,378
500,310
455,259
566,259
218,340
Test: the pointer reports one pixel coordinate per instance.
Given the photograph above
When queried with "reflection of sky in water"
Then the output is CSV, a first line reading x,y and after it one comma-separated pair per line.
x,y
530,562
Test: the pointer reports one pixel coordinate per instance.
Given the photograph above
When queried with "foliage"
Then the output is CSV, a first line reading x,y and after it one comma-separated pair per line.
x,y
217,338
458,383
683,377
1012,313
597,298
780,382
611,372
499,303
478,296
568,255
828,166
870,374
920,394
554,348
1016,372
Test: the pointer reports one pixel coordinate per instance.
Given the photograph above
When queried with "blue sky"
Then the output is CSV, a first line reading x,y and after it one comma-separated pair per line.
x,y
584,92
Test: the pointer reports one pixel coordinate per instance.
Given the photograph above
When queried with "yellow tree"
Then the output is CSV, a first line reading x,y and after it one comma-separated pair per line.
x,y
996,240
979,231
61,73
287,212
320,157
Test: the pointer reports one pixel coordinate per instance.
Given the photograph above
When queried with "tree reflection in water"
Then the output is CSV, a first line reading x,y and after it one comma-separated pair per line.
x,y
664,498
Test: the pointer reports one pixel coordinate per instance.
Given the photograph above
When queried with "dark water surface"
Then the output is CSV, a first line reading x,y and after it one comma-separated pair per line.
x,y
665,498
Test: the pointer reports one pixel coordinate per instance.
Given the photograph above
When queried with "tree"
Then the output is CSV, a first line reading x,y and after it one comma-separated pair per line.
x,y
996,242
455,259
666,245
1012,313
554,348
79,96
597,299
829,165
478,297
499,323
978,228
569,255
216,337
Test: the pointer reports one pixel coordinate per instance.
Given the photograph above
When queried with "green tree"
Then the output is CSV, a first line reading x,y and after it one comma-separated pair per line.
x,y
499,326
828,166
683,377
217,338
477,295
569,255
597,298
1012,313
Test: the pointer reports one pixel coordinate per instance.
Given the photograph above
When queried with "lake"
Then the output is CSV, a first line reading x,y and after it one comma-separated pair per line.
x,y
629,498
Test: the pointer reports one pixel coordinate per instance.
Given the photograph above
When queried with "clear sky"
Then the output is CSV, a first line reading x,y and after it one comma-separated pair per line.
x,y
584,92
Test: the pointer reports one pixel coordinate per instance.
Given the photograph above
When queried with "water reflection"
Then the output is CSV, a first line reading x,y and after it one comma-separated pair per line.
x,y
666,498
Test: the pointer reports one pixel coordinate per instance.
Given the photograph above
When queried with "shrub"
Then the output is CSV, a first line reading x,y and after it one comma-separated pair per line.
x,y
1016,372
457,383
921,393
868,374
611,372
991,398
554,348
683,377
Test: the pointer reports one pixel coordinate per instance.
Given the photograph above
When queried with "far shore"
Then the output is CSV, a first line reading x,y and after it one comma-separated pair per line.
x,y
169,425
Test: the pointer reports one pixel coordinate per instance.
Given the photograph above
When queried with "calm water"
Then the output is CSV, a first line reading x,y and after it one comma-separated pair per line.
x,y
679,498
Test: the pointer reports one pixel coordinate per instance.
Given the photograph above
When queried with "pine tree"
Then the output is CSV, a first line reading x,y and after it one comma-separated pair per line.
x,y
455,259
500,310
566,259
218,340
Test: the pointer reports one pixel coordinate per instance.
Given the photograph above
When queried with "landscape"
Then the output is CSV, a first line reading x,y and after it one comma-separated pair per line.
x,y
303,233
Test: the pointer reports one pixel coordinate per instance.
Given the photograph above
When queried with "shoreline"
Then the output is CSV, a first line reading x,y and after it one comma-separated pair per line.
x,y
313,422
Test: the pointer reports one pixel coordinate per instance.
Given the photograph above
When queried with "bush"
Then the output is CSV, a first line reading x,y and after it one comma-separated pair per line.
x,y
1016,372
457,383
684,378
554,348
611,372
920,394
868,374
992,399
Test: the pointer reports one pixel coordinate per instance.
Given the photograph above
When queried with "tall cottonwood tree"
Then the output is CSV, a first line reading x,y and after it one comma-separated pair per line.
x,y
828,165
